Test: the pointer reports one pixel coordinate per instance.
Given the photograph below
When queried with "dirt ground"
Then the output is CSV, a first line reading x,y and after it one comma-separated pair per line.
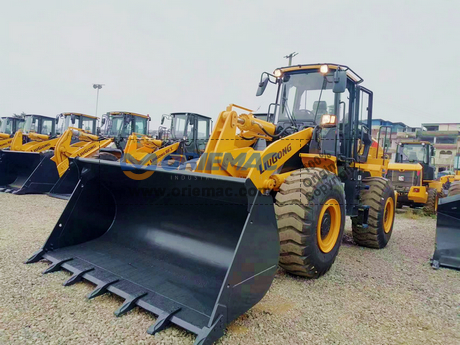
x,y
389,296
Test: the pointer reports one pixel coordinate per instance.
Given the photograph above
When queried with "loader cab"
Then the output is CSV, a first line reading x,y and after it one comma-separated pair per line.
x,y
40,124
120,125
9,125
78,120
417,152
193,128
330,99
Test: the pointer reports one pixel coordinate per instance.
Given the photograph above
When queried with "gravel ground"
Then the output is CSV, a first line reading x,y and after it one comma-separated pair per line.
x,y
391,296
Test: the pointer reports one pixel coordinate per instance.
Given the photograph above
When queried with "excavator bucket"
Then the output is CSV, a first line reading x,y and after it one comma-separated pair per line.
x,y
194,249
64,187
27,172
447,250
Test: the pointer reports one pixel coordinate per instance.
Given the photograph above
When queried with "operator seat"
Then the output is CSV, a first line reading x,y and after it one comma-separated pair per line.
x,y
320,108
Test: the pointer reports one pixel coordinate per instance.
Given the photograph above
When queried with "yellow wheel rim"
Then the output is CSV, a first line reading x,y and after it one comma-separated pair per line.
x,y
388,215
328,227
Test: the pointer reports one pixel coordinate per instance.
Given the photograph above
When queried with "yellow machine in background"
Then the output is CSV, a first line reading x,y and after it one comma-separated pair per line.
x,y
8,127
412,175
26,168
37,135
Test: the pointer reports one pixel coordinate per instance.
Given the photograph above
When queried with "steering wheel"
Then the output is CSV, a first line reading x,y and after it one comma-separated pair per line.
x,y
304,114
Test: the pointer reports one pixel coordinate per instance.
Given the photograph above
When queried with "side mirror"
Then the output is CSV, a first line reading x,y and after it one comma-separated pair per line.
x,y
162,119
191,120
103,121
340,81
72,118
262,86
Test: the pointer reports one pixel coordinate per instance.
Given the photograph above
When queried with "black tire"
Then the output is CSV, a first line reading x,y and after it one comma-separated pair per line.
x,y
376,197
106,156
301,198
454,189
431,206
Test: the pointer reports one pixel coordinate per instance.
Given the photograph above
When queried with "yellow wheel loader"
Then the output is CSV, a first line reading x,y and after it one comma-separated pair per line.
x,y
200,248
412,175
8,127
135,150
447,180
26,168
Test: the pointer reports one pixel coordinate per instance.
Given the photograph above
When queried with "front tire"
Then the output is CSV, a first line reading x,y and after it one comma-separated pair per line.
x,y
431,206
310,211
380,198
454,189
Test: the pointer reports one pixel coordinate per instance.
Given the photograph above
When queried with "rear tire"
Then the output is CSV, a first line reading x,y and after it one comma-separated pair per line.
x,y
431,206
454,189
310,211
380,197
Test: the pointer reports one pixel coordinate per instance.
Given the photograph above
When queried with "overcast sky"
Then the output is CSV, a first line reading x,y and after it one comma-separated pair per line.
x,y
159,57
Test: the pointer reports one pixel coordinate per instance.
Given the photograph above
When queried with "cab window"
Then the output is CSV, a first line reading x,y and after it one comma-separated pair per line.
x,y
47,127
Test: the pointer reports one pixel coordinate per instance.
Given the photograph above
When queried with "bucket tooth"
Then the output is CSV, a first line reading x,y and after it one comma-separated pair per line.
x,y
37,256
129,304
162,322
101,289
77,277
56,266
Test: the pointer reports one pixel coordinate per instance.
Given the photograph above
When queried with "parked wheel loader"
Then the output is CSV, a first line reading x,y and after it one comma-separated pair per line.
x,y
412,175
199,248
27,167
187,130
8,127
447,179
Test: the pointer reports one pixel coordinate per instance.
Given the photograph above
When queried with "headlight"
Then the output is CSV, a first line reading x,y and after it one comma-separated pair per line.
x,y
328,120
324,69
278,73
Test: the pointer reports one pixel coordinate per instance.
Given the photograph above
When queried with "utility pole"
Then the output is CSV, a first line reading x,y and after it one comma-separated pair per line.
x,y
290,56
97,87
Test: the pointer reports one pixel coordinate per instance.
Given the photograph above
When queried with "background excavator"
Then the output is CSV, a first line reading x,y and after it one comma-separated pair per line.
x,y
447,248
261,193
412,175
26,167
8,127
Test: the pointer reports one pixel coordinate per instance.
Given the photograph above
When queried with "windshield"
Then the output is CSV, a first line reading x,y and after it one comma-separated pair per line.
x,y
306,97
413,154
115,125
29,124
64,123
6,126
179,123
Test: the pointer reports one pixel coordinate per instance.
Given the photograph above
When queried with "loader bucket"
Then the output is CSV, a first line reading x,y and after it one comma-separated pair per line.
x,y
27,172
447,249
194,249
65,186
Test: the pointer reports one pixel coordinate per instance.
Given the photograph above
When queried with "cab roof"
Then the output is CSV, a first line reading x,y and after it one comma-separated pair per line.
x,y
128,113
415,142
37,115
79,114
187,112
332,66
